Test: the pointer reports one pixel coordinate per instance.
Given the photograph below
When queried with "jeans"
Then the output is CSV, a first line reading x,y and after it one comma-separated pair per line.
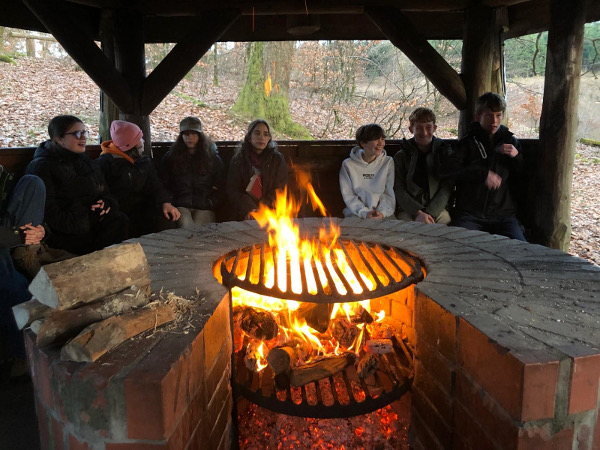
x,y
506,226
25,205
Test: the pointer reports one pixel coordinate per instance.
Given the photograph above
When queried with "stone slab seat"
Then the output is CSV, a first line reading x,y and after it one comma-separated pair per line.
x,y
507,338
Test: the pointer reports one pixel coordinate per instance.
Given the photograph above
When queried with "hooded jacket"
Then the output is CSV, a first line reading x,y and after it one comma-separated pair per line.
x,y
189,187
273,175
469,165
410,197
134,182
73,184
365,186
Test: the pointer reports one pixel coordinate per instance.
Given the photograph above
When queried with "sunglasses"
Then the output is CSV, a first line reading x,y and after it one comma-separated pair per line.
x,y
80,134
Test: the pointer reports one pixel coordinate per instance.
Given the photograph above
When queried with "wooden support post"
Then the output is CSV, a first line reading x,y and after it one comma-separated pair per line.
x,y
108,109
74,38
480,55
403,34
558,124
182,58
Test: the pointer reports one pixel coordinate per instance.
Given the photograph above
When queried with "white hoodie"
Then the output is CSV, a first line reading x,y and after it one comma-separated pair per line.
x,y
365,186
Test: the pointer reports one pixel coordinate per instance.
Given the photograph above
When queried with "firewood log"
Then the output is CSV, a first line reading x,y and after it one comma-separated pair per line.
x,y
35,325
253,356
281,359
344,331
367,365
381,330
317,315
315,371
28,311
259,324
379,346
100,337
363,316
86,279
60,325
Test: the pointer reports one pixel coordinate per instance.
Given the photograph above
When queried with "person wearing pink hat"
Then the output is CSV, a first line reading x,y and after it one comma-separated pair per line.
x,y
194,174
133,180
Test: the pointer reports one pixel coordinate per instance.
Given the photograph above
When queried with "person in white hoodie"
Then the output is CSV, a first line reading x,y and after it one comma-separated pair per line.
x,y
367,176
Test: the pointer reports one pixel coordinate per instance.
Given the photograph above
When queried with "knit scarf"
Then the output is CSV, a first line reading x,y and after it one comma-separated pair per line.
x,y
110,147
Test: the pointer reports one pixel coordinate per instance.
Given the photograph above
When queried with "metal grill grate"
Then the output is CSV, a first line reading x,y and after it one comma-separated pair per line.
x,y
344,394
389,269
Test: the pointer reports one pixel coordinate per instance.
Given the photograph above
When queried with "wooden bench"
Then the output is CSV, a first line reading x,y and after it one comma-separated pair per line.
x,y
322,159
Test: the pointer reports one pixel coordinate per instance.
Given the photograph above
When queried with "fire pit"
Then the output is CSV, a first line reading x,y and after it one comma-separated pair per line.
x,y
505,337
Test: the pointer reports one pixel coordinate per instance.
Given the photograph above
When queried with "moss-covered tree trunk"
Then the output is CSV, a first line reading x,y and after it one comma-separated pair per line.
x,y
266,91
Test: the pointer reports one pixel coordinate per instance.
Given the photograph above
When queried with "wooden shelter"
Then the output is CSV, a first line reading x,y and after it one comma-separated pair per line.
x,y
123,27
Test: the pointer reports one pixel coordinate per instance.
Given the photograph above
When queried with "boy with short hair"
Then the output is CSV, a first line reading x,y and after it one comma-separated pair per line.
x,y
486,165
420,193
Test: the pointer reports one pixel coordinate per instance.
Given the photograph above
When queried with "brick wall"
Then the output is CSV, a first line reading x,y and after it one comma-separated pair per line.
x,y
167,390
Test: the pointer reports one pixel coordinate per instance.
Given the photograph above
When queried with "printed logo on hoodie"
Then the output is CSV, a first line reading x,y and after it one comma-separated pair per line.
x,y
368,176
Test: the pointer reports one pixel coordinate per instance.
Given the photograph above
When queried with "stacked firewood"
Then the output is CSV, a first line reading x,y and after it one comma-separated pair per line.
x,y
258,332
92,303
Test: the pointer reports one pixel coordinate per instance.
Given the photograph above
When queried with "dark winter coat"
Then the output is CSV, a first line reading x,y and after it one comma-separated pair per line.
x,y
273,174
410,197
192,186
134,185
470,163
73,184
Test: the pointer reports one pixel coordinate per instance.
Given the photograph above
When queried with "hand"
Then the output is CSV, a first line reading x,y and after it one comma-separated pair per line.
x,y
493,181
99,207
507,149
249,215
374,214
33,235
423,217
170,212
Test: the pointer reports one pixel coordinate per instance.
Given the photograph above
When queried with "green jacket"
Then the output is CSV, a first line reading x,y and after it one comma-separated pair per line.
x,y
410,198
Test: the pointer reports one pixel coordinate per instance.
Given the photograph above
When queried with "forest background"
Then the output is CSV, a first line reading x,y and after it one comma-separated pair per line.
x,y
307,90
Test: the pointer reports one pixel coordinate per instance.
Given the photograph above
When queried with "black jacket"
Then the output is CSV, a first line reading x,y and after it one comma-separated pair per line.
x,y
410,198
273,174
73,184
469,165
133,185
190,187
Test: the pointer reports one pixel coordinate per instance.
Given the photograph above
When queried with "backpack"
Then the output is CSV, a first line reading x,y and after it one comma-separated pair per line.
x,y
8,181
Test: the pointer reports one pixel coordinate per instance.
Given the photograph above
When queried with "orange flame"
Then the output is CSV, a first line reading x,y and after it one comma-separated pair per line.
x,y
268,85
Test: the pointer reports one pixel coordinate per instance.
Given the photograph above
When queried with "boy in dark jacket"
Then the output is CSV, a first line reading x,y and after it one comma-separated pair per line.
x,y
132,179
420,193
486,165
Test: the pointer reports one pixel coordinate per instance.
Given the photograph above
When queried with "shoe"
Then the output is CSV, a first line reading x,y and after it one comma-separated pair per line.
x,y
25,258
49,255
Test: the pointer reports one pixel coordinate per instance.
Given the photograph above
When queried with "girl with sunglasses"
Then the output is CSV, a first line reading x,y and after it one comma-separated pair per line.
x,y
80,212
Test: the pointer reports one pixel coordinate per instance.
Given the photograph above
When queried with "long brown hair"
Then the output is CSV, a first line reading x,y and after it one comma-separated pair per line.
x,y
202,158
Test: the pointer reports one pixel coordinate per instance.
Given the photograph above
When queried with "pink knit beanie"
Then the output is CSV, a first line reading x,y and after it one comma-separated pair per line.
x,y
125,135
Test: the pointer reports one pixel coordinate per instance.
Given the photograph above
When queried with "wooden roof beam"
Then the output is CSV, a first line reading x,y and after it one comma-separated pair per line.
x,y
403,34
182,58
74,38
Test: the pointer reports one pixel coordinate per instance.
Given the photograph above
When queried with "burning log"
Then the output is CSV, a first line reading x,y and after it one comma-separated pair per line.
x,y
25,313
316,315
344,331
367,365
320,369
379,346
362,317
99,338
281,359
257,323
60,325
381,330
253,356
85,279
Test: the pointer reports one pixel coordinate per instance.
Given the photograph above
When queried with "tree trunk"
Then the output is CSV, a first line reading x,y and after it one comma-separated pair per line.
x,y
558,124
30,47
85,279
270,63
216,66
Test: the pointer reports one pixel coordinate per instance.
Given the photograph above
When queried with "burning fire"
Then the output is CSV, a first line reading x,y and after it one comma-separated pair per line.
x,y
344,331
